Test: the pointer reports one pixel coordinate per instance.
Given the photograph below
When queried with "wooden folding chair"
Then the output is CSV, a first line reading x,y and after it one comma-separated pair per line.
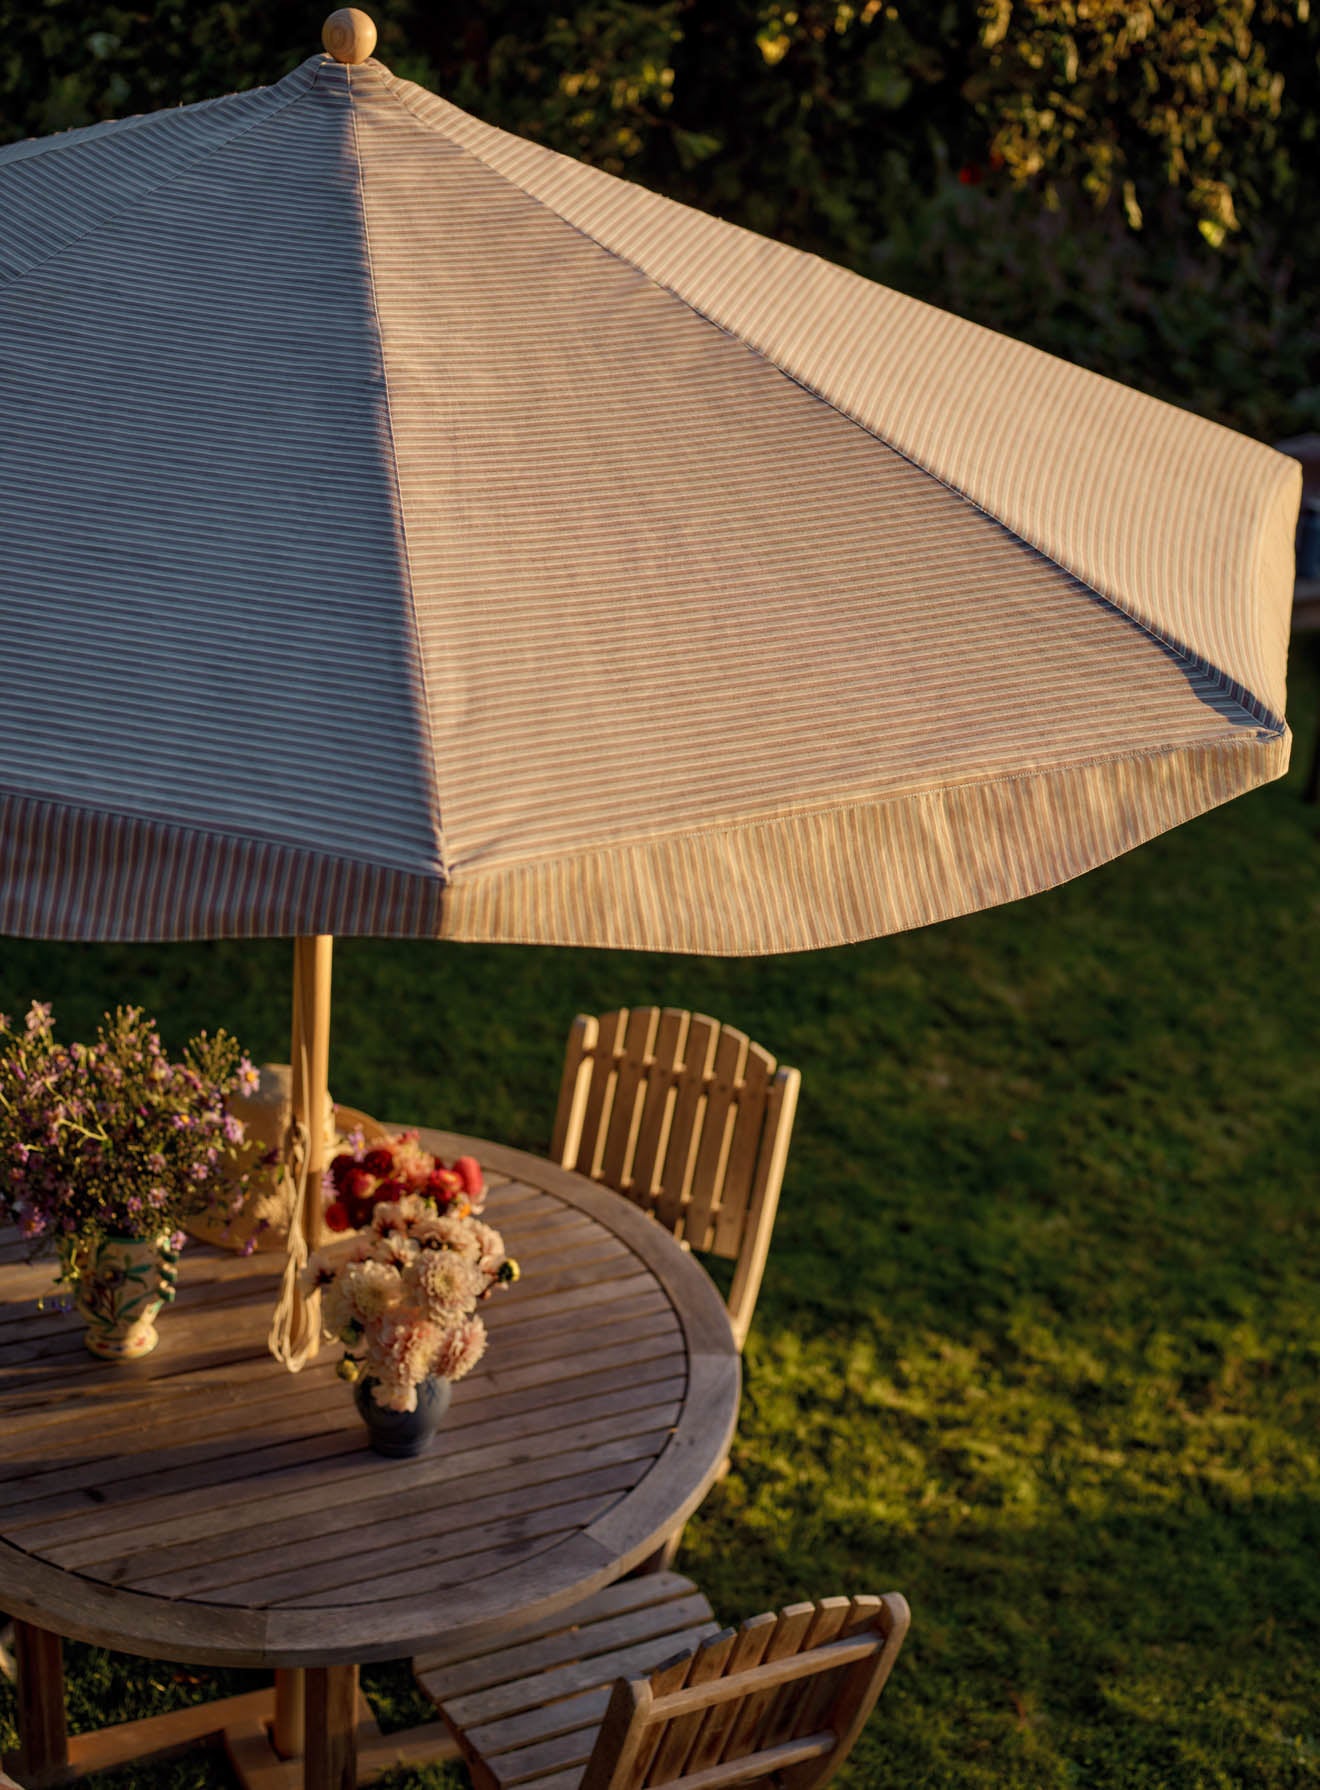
x,y
605,1699
688,1119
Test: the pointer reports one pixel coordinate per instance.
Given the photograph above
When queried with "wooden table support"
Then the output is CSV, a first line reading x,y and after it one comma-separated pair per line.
x,y
288,1728
354,1752
43,1756
331,1756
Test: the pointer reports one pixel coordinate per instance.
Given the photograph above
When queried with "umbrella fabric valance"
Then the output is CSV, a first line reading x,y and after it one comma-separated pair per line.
x,y
411,531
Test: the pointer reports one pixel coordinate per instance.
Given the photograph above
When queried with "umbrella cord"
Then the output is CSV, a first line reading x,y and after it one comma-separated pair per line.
x,y
295,1331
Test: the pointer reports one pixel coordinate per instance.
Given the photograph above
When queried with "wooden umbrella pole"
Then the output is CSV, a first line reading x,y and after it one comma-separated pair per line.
x,y
295,1328
312,957
310,1055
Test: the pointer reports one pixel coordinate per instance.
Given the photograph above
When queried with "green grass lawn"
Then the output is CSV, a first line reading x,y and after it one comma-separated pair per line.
x,y
1038,1343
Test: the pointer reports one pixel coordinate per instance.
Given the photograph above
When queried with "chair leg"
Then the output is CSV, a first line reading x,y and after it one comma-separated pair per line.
x,y
662,1559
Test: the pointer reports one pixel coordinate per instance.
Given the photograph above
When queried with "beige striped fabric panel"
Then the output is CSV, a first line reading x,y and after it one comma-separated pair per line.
x,y
1186,525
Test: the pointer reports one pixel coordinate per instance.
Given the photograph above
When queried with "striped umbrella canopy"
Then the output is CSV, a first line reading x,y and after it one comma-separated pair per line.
x,y
411,531
408,530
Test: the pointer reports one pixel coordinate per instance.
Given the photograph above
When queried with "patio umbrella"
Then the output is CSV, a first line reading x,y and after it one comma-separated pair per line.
x,y
411,531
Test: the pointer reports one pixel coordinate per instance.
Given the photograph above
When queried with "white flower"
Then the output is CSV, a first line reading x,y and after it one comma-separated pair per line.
x,y
443,1283
392,1391
490,1246
393,1248
449,1233
401,1214
373,1287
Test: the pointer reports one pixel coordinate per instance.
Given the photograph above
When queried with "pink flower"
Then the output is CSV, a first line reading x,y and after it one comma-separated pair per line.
x,y
38,1020
249,1079
461,1347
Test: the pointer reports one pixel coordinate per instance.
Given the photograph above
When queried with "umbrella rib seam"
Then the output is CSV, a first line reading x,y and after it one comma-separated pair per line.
x,y
105,223
1247,700
419,662
829,805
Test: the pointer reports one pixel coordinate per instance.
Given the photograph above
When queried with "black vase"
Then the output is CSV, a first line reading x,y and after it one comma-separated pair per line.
x,y
403,1433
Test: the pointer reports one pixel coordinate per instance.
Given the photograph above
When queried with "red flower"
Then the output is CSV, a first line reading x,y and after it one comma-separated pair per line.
x,y
468,1170
336,1216
340,1168
971,175
379,1162
390,1190
357,1184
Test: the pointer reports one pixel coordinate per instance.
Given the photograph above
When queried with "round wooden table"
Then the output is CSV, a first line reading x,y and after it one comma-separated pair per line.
x,y
206,1506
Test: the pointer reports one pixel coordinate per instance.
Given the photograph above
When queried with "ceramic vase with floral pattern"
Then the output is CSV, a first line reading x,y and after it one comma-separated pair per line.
x,y
121,1284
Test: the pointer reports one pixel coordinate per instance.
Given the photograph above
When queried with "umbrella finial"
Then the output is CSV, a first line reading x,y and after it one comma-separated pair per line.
x,y
349,35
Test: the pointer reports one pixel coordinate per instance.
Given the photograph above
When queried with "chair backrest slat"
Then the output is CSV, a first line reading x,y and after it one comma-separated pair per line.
x,y
819,1697
599,1106
780,1720
629,1084
658,1107
735,1190
677,1735
791,1626
712,1736
669,1678
763,1200
689,1112
716,1136
579,1060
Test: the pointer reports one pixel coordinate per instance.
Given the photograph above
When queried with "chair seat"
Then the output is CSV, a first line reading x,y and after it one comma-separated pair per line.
x,y
530,1708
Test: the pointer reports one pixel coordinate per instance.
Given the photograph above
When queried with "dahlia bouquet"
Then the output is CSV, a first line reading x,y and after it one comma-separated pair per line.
x,y
404,1300
364,1175
112,1138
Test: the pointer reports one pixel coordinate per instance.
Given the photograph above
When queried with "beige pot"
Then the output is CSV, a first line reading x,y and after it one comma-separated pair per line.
x,y
121,1284
263,1214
